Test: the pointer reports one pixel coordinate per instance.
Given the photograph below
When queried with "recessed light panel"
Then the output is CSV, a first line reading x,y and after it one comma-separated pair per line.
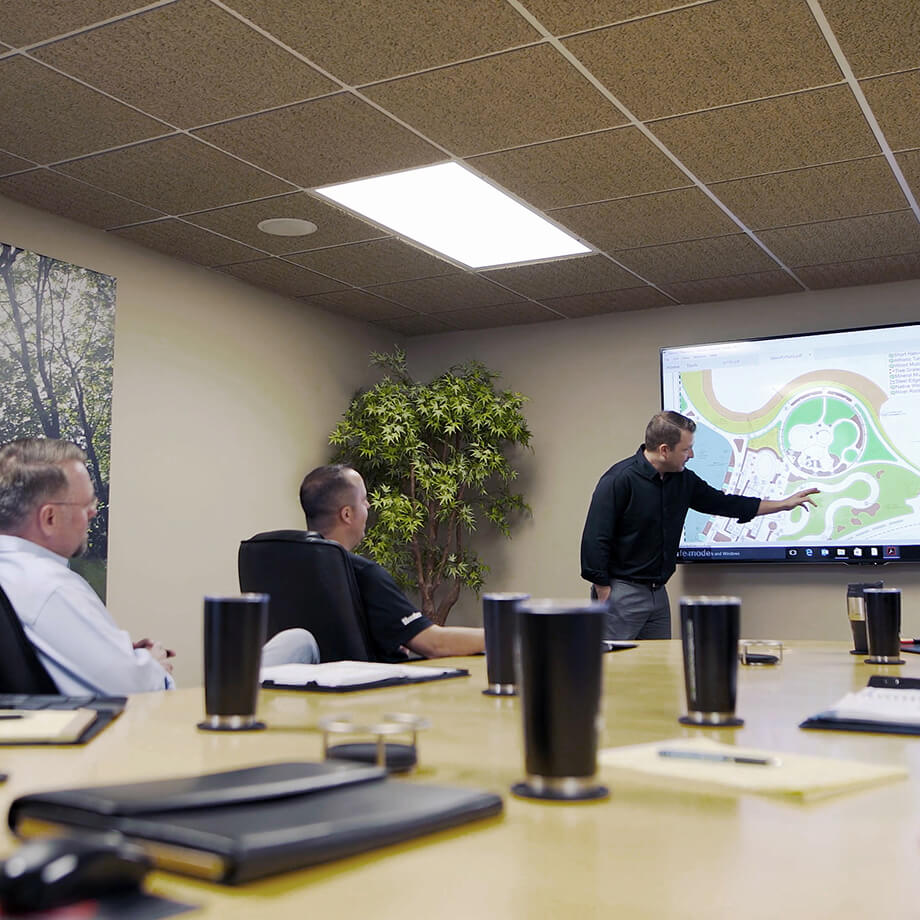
x,y
452,211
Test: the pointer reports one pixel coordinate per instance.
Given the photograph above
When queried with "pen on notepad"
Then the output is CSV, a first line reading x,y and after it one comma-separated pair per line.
x,y
720,758
12,716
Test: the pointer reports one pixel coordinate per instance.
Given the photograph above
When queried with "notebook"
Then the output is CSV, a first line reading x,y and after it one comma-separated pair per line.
x,y
893,708
342,676
711,766
55,712
51,726
240,825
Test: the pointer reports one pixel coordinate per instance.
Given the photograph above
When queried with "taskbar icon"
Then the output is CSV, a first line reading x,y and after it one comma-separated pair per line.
x,y
842,553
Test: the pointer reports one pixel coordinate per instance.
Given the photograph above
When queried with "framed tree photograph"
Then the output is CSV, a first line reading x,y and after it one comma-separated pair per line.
x,y
57,336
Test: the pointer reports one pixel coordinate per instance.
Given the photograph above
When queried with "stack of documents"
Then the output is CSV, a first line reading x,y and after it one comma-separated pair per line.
x,y
879,704
892,710
351,675
713,767
44,726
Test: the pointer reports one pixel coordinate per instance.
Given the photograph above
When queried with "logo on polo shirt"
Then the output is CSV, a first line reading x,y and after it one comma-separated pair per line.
x,y
411,618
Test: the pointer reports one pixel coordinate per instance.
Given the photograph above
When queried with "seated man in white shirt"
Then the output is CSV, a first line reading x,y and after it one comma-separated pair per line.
x,y
47,501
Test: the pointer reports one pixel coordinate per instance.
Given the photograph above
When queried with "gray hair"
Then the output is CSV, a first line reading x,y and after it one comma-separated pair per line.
x,y
31,472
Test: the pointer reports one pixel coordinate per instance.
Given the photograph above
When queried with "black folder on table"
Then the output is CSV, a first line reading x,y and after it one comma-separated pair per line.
x,y
240,825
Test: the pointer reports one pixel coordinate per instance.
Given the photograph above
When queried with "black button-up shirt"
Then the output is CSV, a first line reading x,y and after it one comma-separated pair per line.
x,y
636,517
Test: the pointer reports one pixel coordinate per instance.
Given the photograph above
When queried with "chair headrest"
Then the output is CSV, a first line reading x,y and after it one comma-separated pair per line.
x,y
288,536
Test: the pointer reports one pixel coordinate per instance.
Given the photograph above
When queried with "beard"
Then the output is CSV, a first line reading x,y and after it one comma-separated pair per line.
x,y
81,549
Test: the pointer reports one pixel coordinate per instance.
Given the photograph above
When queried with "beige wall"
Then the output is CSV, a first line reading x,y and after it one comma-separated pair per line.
x,y
223,397
593,385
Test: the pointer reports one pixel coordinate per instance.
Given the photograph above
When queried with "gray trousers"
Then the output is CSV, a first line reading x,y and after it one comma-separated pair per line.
x,y
290,646
637,612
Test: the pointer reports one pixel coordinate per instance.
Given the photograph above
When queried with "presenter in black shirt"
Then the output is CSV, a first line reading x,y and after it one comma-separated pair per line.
x,y
632,532
334,500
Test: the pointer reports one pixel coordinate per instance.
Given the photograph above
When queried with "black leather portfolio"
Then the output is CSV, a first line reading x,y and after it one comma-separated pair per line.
x,y
245,824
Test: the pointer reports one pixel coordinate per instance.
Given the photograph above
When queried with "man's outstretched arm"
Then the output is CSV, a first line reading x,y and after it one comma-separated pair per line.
x,y
445,641
798,500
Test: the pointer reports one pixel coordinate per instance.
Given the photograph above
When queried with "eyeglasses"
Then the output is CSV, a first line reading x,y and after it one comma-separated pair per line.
x,y
94,504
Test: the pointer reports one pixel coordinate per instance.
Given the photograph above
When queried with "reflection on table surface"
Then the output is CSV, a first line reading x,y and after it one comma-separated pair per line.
x,y
647,851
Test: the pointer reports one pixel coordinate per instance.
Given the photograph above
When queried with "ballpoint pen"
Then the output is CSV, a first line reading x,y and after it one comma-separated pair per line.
x,y
720,758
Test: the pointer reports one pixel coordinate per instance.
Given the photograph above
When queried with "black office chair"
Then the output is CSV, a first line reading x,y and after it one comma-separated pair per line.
x,y
21,671
312,585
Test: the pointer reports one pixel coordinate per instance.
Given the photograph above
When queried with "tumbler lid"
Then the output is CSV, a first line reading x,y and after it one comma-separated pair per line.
x,y
550,605
505,596
248,598
709,600
856,588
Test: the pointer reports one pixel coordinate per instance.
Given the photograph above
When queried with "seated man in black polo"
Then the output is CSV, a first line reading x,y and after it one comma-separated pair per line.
x,y
334,499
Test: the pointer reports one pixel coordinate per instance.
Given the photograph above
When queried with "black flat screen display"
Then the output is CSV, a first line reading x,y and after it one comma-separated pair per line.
x,y
839,411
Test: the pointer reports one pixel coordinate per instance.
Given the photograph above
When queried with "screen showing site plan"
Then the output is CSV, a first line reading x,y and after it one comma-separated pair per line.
x,y
838,411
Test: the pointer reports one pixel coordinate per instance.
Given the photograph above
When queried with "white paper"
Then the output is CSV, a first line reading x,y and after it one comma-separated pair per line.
x,y
346,673
880,704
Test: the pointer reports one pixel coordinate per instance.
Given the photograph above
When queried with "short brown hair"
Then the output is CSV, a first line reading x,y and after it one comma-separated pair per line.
x,y
667,428
323,492
31,473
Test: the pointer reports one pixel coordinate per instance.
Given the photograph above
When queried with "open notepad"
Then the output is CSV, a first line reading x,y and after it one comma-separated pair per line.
x,y
341,676
44,726
874,708
786,774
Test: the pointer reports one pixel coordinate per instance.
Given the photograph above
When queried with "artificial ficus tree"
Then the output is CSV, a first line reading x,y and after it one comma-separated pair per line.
x,y
434,457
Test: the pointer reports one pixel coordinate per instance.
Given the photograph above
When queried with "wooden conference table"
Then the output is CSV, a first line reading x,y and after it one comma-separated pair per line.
x,y
647,851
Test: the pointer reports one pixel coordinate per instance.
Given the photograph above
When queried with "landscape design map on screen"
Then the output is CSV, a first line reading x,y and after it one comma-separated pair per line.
x,y
839,411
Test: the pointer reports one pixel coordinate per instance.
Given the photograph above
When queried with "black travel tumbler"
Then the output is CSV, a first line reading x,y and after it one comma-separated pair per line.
x,y
710,628
234,633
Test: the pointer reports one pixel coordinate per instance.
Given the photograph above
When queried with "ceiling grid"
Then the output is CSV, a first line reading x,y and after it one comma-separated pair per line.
x,y
706,150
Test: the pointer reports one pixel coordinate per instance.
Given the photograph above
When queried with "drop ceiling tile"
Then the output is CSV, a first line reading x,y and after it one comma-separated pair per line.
x,y
895,101
49,190
502,101
448,292
10,164
873,236
240,221
814,194
282,277
708,55
909,162
514,314
188,63
647,220
375,262
593,167
176,174
758,137
415,324
358,305
29,21
635,298
876,37
64,119
564,16
863,271
712,289
698,259
359,44
325,141
183,241
564,277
